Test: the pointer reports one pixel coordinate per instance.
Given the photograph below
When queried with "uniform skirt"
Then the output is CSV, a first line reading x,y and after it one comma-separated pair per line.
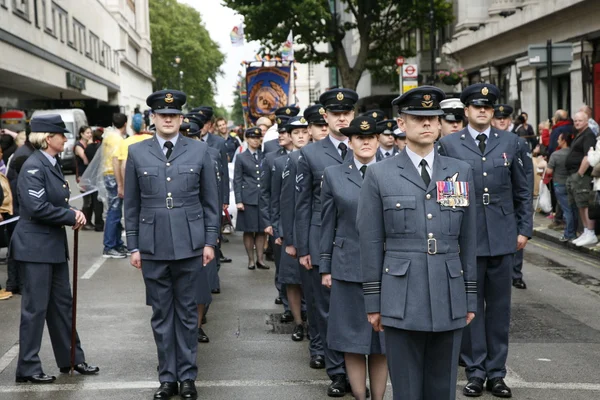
x,y
289,270
249,220
348,329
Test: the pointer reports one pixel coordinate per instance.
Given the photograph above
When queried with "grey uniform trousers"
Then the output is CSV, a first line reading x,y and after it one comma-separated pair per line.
x,y
46,298
171,288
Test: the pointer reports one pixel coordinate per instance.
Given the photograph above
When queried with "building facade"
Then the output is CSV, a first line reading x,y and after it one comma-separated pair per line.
x,y
491,43
89,54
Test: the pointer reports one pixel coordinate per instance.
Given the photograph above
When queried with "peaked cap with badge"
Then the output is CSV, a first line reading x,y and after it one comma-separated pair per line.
x,y
206,111
287,111
314,114
423,101
253,133
295,123
480,95
194,124
502,111
282,121
51,123
339,100
361,126
166,101
377,115
387,126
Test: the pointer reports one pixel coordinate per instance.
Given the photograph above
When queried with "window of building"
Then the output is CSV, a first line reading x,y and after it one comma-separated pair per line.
x,y
114,67
133,53
49,21
21,8
105,55
94,49
61,22
78,36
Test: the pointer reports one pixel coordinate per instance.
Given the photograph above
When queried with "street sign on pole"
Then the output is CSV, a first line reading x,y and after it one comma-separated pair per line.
x,y
400,61
408,85
410,71
562,53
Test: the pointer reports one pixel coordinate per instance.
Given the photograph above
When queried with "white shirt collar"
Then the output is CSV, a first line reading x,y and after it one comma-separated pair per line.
x,y
336,142
383,151
475,133
416,159
50,158
161,141
359,164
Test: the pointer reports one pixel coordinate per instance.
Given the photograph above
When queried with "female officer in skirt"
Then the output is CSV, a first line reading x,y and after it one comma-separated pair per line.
x,y
246,186
349,331
45,211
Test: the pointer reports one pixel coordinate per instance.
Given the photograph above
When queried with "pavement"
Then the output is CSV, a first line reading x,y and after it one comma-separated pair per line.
x,y
542,230
554,351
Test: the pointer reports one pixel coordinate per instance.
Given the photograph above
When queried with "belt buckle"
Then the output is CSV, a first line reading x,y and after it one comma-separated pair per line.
x,y
169,203
486,199
431,246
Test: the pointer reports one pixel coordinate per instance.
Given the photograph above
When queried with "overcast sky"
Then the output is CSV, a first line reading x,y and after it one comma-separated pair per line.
x,y
219,21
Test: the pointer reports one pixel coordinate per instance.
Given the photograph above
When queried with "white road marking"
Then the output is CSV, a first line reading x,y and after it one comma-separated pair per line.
x,y
8,357
512,376
137,385
95,267
544,359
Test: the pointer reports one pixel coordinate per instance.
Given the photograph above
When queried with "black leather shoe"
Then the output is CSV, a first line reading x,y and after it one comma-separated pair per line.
x,y
298,334
83,369
286,317
303,316
38,378
187,390
202,338
251,267
317,362
262,266
225,260
337,388
216,291
474,388
278,300
519,283
166,390
498,388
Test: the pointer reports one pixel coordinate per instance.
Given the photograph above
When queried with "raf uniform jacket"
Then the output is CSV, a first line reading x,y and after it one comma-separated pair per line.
x,y
418,258
246,178
380,157
339,236
287,204
503,193
276,191
313,160
171,206
43,192
218,143
266,190
270,146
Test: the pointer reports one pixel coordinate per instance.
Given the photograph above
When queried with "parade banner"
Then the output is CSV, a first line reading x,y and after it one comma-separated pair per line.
x,y
237,36
267,89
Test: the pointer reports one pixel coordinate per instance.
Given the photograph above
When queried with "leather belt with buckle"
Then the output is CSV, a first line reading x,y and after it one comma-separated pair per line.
x,y
486,199
170,203
432,246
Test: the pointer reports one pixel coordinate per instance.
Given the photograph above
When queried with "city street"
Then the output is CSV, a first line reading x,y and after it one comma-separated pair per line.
x,y
555,349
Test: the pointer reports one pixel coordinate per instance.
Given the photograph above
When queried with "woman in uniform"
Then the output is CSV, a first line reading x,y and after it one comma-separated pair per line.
x,y
44,209
246,186
349,331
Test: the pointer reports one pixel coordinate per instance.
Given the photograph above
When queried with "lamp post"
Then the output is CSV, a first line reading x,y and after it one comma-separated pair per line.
x,y
181,80
175,64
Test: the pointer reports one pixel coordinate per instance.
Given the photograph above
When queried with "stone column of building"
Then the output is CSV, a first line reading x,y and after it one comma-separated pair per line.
x,y
580,50
528,87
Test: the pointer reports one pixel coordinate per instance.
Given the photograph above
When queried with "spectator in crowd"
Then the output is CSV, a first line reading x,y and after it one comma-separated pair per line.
x,y
231,143
524,130
558,169
97,206
81,163
139,135
113,180
8,143
7,293
579,182
591,122
560,124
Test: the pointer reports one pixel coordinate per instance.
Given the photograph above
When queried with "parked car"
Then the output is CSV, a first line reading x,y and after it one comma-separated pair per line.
x,y
74,119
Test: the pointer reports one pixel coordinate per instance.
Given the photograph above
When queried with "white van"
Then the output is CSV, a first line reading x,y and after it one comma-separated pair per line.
x,y
74,119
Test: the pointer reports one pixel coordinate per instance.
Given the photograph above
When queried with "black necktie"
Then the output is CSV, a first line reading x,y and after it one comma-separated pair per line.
x,y
344,149
169,146
481,137
424,173
255,156
363,170
387,154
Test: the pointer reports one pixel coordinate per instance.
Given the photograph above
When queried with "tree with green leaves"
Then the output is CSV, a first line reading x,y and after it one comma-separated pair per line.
x,y
237,111
379,24
177,31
